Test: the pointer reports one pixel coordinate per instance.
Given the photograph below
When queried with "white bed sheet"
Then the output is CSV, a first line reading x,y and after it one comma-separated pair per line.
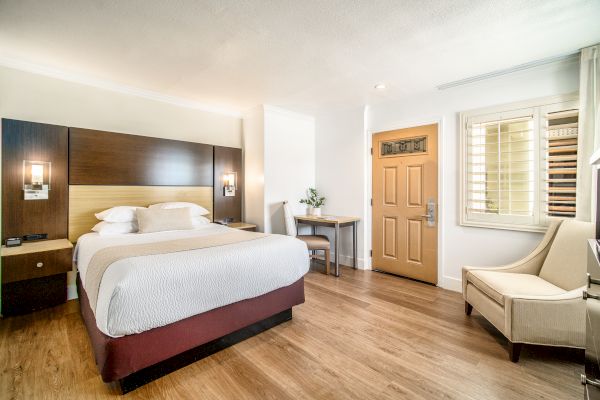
x,y
140,293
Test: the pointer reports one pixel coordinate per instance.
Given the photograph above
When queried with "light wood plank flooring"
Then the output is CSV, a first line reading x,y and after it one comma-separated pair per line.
x,y
365,335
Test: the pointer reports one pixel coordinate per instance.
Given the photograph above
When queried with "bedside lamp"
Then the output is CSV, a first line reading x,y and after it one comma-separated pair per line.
x,y
36,179
229,184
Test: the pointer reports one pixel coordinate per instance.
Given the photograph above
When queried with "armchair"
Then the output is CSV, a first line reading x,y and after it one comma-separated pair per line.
x,y
537,300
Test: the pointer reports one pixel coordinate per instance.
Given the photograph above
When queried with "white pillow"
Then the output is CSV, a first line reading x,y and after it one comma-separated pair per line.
x,y
198,222
115,228
158,220
195,209
118,214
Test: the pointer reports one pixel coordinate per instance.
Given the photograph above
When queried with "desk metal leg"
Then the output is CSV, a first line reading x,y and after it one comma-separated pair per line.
x,y
354,234
337,249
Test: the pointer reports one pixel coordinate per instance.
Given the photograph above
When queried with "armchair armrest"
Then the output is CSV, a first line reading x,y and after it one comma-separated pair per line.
x,y
550,320
530,264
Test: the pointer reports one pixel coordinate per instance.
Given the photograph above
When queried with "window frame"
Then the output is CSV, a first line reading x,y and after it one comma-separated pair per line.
x,y
538,108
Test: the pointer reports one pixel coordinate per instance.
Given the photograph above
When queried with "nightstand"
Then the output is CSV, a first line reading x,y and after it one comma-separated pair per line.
x,y
34,275
242,226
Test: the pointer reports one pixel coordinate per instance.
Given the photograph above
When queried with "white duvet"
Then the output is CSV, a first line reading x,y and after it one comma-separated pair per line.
x,y
140,293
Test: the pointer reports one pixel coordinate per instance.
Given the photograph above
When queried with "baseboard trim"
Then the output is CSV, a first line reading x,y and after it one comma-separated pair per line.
x,y
450,283
345,260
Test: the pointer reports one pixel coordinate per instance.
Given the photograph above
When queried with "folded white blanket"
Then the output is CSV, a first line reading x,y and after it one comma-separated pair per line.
x,y
141,293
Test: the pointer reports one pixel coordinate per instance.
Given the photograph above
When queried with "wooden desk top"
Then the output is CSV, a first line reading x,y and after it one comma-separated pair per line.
x,y
332,219
36,247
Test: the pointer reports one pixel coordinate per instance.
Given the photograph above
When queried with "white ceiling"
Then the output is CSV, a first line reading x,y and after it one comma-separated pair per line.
x,y
304,55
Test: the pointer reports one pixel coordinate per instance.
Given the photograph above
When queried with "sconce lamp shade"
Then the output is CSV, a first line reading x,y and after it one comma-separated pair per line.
x,y
36,179
229,184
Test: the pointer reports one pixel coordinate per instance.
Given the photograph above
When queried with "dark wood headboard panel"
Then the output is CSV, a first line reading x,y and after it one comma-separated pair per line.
x,y
36,142
228,159
107,158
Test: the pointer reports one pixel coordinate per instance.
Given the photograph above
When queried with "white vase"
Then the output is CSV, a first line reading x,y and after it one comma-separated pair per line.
x,y
316,211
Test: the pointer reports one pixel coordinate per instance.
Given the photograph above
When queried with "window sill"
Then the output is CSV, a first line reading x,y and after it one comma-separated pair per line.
x,y
508,227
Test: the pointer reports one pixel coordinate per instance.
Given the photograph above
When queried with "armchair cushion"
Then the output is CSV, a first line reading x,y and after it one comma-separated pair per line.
x,y
498,285
566,264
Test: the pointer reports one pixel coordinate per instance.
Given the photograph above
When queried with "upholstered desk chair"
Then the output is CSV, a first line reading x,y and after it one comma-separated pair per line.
x,y
537,300
313,242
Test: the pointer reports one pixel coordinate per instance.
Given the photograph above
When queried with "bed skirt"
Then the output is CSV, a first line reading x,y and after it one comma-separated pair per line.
x,y
117,358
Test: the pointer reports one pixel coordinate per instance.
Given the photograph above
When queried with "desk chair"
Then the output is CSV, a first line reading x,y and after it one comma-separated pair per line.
x,y
313,242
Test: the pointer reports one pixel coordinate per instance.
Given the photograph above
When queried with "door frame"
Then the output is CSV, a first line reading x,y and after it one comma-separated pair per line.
x,y
441,209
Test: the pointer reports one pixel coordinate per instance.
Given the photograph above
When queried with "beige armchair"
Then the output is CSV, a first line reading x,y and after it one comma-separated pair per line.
x,y
537,300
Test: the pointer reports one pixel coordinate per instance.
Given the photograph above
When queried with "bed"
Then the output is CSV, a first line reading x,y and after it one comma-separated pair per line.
x,y
160,305
153,312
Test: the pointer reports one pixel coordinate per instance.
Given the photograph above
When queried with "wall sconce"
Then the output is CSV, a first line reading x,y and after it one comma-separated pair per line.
x,y
36,179
229,184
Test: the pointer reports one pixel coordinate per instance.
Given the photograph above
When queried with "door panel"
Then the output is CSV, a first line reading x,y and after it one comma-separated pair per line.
x,y
390,241
404,181
414,179
414,240
390,190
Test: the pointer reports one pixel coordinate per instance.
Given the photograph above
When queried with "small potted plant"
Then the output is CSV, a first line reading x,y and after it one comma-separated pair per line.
x,y
314,202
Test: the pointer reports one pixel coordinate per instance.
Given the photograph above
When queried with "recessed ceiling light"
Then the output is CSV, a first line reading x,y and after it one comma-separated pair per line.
x,y
380,86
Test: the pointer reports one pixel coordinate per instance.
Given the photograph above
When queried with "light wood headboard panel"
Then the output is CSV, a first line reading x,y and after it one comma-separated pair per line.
x,y
86,200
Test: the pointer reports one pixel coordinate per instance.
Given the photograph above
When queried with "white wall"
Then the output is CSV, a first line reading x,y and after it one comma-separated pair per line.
x,y
289,163
254,167
340,160
339,135
279,164
31,97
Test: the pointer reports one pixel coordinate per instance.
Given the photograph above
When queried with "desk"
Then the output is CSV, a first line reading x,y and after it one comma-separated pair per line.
x,y
336,223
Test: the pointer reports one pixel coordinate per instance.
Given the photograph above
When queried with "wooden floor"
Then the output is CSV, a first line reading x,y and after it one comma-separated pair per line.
x,y
365,335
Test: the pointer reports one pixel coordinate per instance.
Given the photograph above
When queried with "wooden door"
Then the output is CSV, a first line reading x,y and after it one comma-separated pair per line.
x,y
404,194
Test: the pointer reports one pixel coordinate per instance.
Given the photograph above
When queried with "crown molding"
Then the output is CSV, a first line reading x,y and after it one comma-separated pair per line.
x,y
521,67
286,112
115,87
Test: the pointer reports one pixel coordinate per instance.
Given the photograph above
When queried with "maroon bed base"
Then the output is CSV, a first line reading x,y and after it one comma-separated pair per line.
x,y
117,358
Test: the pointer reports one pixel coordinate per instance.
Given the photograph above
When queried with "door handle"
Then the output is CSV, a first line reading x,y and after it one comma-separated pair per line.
x,y
592,382
592,280
430,210
587,295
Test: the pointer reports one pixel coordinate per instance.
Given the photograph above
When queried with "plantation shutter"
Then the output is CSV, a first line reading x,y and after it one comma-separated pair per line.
x,y
561,163
501,166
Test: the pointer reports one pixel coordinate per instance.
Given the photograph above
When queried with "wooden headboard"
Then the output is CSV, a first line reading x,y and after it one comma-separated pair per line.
x,y
86,200
108,158
108,169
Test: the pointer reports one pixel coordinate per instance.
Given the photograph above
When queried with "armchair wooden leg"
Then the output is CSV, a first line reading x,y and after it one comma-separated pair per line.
x,y
468,308
514,351
327,259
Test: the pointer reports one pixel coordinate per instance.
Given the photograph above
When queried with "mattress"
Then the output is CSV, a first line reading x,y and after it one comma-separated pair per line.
x,y
137,294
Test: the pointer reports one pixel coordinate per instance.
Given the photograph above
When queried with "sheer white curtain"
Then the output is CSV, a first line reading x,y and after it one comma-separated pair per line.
x,y
589,126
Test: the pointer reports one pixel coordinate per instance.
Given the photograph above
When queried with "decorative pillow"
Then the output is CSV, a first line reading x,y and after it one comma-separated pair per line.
x,y
115,228
118,214
200,221
158,220
196,210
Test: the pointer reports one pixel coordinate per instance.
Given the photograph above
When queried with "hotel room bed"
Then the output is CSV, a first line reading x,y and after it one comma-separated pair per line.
x,y
150,308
